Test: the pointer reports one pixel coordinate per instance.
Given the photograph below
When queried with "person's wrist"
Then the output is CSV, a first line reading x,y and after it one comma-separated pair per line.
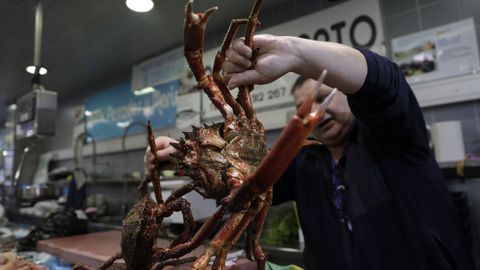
x,y
292,47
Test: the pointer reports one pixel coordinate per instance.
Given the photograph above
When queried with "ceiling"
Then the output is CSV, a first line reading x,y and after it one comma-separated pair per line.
x,y
87,41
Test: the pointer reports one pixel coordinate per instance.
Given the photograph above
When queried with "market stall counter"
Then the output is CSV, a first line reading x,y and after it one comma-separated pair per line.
x,y
94,248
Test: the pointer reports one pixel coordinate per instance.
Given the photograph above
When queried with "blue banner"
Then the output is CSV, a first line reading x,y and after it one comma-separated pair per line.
x,y
109,112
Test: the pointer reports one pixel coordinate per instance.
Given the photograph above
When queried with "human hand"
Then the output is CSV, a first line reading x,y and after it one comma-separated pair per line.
x,y
275,56
164,149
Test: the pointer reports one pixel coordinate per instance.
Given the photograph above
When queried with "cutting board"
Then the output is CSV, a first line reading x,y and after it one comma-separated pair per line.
x,y
90,249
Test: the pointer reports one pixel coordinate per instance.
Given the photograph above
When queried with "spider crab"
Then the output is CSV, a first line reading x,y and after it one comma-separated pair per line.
x,y
227,162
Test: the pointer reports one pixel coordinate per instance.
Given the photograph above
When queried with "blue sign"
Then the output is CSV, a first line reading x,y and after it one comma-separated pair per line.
x,y
108,113
160,69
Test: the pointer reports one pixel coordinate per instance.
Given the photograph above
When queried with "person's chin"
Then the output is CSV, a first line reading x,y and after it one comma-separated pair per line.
x,y
327,127
331,136
328,140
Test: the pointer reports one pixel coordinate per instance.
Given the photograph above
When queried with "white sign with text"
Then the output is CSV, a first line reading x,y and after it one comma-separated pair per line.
x,y
438,53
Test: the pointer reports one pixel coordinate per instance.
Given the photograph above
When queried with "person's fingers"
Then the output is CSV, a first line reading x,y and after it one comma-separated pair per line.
x,y
245,78
232,67
239,46
227,77
164,142
263,43
150,166
237,59
171,159
163,154
146,171
145,157
149,157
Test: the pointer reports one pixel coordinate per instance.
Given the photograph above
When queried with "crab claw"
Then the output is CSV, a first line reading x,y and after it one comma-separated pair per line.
x,y
193,39
194,27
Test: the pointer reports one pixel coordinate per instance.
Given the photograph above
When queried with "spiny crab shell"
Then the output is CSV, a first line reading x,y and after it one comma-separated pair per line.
x,y
217,162
139,234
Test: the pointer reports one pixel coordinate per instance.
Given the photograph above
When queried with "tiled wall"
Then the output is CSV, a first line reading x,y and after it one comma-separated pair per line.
x,y
410,16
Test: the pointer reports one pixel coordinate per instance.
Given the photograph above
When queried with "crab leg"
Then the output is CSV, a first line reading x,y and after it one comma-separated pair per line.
x,y
217,66
110,261
219,263
160,265
259,209
253,250
252,23
189,222
154,174
178,205
228,234
217,243
178,193
244,91
161,254
257,230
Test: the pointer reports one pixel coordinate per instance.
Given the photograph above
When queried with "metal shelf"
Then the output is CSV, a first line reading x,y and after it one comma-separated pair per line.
x,y
452,170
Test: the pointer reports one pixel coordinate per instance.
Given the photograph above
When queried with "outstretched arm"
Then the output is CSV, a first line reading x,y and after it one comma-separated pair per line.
x,y
276,56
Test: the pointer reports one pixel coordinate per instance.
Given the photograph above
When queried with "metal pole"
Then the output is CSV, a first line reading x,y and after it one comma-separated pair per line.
x,y
38,34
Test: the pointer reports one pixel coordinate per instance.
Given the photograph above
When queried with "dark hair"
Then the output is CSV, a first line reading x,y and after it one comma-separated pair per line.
x,y
298,82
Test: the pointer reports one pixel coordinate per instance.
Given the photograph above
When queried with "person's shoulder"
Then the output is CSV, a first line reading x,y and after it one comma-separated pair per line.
x,y
375,61
370,54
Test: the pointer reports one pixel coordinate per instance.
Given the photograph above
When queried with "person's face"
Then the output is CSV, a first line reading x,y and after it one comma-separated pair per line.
x,y
335,124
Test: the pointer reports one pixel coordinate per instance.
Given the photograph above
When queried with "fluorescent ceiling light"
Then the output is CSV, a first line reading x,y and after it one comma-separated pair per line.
x,y
139,5
144,91
32,69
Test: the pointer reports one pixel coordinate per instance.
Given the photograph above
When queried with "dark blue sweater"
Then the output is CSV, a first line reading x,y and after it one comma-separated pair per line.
x,y
396,197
